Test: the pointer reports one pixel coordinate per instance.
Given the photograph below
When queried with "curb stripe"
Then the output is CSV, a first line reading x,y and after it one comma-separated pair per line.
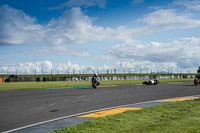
x,y
109,112
179,99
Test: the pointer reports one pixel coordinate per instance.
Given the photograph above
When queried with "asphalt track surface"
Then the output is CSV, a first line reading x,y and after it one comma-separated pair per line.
x,y
25,107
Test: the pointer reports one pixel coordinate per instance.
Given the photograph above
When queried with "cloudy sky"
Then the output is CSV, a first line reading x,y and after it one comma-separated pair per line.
x,y
87,35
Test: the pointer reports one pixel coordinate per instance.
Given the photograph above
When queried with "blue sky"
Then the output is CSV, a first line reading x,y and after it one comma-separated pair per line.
x,y
99,34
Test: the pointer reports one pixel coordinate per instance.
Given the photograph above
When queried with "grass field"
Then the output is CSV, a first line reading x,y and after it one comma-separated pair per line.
x,y
177,117
56,84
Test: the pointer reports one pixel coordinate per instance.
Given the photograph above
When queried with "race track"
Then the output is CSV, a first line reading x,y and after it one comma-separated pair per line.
x,y
24,107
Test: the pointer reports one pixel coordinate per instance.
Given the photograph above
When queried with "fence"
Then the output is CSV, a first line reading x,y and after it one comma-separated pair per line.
x,y
15,78
83,71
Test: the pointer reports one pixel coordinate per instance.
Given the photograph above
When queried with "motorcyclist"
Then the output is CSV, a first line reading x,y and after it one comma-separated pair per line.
x,y
198,73
95,82
151,82
197,78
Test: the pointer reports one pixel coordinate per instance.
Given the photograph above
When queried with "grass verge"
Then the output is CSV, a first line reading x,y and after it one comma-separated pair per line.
x,y
177,117
56,84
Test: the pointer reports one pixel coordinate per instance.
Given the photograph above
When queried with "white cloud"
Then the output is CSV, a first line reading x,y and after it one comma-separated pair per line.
x,y
57,51
177,54
166,19
17,28
71,28
80,3
62,50
189,4
47,66
43,66
75,27
145,66
135,55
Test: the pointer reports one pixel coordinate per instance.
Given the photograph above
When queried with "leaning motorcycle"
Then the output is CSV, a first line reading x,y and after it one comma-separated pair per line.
x,y
197,80
95,82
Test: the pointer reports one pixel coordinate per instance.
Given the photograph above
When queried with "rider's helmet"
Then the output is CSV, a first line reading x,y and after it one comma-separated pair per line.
x,y
95,74
198,71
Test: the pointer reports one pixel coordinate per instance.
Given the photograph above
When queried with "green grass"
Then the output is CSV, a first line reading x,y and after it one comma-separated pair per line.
x,y
40,85
56,84
177,117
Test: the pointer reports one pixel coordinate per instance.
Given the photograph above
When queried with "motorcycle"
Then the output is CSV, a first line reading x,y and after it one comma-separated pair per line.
x,y
197,80
151,82
95,81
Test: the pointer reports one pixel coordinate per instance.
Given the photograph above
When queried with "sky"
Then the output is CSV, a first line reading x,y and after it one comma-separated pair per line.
x,y
87,36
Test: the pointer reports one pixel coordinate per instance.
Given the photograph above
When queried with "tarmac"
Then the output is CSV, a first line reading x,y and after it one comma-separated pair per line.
x,y
59,123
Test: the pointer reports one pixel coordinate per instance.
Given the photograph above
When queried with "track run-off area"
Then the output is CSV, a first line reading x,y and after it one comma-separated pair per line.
x,y
19,108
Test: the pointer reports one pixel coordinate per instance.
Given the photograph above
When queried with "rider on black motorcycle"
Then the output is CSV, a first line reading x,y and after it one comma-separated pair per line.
x,y
197,78
198,73
95,82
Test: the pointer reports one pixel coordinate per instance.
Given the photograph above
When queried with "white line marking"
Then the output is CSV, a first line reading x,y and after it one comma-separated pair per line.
x,y
64,117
